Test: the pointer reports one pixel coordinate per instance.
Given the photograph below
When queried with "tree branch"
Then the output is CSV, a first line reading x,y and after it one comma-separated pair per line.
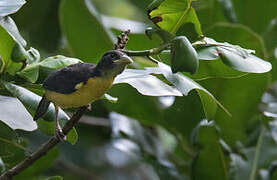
x,y
44,148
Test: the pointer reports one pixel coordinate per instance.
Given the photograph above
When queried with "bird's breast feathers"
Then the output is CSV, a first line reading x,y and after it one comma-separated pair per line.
x,y
85,94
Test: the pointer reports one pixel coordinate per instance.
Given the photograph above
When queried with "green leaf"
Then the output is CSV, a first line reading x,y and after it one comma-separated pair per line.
x,y
18,53
248,63
207,53
35,23
164,35
49,128
185,85
58,61
9,25
183,56
12,149
82,27
239,35
19,120
256,21
170,15
10,6
72,136
234,93
270,36
145,83
210,12
31,71
6,47
31,101
209,150
10,36
228,10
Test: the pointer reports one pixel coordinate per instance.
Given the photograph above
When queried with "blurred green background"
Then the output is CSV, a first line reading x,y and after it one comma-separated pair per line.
x,y
143,137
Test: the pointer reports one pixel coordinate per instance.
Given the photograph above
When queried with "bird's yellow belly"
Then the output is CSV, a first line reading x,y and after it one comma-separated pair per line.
x,y
93,90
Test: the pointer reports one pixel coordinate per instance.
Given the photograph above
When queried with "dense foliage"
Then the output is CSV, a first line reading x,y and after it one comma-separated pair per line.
x,y
198,103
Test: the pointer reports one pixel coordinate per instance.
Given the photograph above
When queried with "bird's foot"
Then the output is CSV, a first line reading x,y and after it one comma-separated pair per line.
x,y
89,107
59,134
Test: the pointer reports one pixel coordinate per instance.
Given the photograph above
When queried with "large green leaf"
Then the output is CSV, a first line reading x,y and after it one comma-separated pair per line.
x,y
40,25
235,93
31,101
6,46
239,35
19,120
170,15
208,150
12,149
270,36
10,6
185,85
9,25
10,36
82,27
228,10
256,21
209,12
31,71
233,55
248,63
145,83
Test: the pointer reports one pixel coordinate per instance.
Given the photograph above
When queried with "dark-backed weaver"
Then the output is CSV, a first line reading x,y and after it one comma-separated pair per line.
x,y
80,84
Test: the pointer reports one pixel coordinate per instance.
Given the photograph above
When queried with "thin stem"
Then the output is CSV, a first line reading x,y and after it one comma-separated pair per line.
x,y
257,155
148,52
157,50
44,148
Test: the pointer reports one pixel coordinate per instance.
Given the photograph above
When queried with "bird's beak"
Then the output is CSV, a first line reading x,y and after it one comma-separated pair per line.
x,y
124,60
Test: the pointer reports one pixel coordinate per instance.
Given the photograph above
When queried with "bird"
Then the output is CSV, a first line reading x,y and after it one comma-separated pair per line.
x,y
80,84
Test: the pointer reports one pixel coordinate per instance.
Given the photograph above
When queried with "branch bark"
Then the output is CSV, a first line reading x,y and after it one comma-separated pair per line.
x,y
44,148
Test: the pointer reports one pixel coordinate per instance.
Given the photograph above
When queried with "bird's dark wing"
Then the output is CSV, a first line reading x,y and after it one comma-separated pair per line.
x,y
64,80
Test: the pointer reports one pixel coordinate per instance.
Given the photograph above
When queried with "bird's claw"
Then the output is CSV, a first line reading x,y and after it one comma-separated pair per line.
x,y
89,107
60,135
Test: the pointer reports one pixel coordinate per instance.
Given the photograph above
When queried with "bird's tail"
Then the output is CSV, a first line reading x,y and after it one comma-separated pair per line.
x,y
42,108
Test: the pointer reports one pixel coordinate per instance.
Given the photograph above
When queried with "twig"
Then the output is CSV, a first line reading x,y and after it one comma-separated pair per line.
x,y
44,148
148,52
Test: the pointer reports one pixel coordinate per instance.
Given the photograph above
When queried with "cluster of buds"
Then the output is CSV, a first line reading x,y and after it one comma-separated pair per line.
x,y
122,40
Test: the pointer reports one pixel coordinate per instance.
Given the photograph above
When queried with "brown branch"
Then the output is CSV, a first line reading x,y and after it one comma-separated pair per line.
x,y
44,148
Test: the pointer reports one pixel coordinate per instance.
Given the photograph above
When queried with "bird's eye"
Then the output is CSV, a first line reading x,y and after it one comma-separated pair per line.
x,y
113,55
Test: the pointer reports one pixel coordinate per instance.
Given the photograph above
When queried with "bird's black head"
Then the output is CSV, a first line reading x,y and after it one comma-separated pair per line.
x,y
113,63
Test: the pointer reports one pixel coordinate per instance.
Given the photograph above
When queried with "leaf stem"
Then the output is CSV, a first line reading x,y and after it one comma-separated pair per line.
x,y
44,148
148,52
157,50
257,154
